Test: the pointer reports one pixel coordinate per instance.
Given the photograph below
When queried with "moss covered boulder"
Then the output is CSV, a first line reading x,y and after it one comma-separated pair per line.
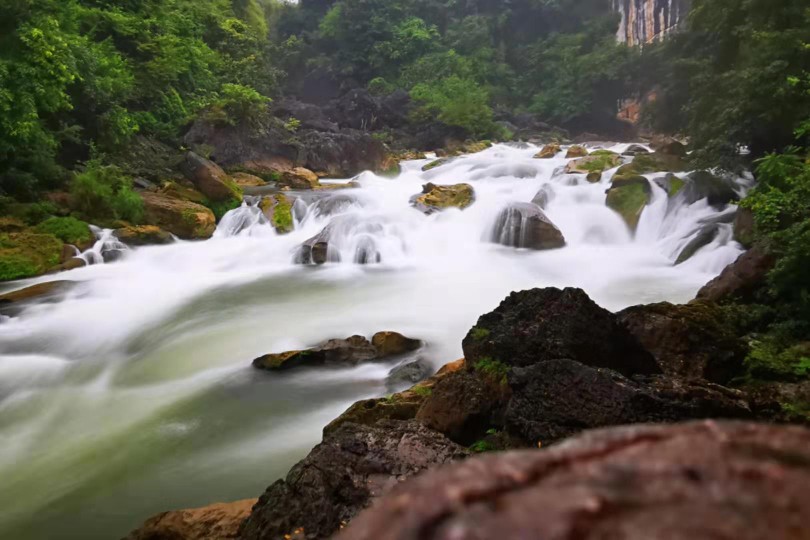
x,y
548,151
143,235
436,163
652,163
185,219
576,151
594,165
69,230
436,198
628,196
28,254
210,179
278,210
671,184
182,192
246,180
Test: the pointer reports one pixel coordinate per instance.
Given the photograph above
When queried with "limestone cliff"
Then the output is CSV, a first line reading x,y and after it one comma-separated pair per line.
x,y
645,21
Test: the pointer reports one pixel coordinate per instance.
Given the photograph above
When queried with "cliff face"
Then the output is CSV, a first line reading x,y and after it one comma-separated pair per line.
x,y
645,21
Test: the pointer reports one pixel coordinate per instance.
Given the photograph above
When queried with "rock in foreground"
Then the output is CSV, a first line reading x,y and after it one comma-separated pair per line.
x,y
341,476
214,522
703,480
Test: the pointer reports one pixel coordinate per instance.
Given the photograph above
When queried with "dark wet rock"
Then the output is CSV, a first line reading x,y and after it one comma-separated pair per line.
x,y
705,236
214,522
337,203
741,278
345,352
399,406
538,325
326,246
353,466
464,405
670,183
406,375
544,196
12,303
524,225
210,179
692,341
437,198
143,235
548,151
699,480
634,150
718,190
559,398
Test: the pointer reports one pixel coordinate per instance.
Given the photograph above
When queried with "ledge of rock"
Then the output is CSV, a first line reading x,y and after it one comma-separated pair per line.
x,y
215,522
681,482
354,465
350,351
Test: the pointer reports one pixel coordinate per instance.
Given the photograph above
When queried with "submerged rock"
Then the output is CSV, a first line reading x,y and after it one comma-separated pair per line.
x,y
214,522
544,196
14,302
352,232
548,151
406,375
187,220
682,482
524,225
537,325
628,196
354,465
436,198
350,351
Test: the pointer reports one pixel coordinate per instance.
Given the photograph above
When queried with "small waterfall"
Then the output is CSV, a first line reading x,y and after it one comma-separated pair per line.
x,y
243,220
524,225
106,249
353,238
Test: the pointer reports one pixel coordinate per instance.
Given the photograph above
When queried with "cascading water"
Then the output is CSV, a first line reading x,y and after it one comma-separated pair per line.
x,y
135,394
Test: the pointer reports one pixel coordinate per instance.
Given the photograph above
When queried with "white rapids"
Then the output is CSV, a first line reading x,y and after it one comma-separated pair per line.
x,y
135,394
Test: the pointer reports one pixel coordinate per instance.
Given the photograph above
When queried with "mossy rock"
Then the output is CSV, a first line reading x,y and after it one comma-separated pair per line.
x,y
436,163
246,180
184,193
185,219
435,197
389,167
69,230
628,196
278,210
594,163
652,163
210,179
26,254
143,235
299,178
548,151
576,151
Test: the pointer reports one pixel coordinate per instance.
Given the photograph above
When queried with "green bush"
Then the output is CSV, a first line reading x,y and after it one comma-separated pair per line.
x,y
456,102
105,192
67,229
235,103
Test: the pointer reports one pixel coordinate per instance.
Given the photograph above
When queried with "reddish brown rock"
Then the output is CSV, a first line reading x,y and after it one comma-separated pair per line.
x,y
703,480
741,278
215,522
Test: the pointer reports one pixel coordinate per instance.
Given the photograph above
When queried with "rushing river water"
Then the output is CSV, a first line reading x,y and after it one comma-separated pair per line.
x,y
135,394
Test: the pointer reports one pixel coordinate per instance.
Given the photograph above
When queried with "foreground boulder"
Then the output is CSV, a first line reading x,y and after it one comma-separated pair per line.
x,y
629,196
692,341
436,198
538,325
692,481
544,408
524,225
354,465
186,220
214,522
350,351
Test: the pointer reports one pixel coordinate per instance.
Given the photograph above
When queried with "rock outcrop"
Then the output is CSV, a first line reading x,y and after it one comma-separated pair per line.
x,y
354,465
682,482
740,279
187,220
350,351
215,522
210,179
524,225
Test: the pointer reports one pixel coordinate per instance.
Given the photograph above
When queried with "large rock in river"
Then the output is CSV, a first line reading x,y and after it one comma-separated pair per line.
x,y
742,278
628,196
354,465
701,480
436,198
524,225
548,151
187,220
143,235
210,179
545,324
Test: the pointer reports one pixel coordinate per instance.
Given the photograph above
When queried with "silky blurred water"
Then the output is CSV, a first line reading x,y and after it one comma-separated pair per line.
x,y
135,394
